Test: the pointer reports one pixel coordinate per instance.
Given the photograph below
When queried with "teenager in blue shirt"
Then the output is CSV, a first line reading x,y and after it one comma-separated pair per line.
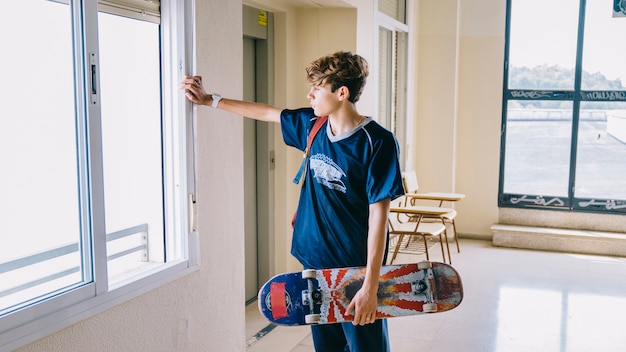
x,y
352,175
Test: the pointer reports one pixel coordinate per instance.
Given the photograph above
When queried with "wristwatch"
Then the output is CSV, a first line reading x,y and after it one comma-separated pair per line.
x,y
216,100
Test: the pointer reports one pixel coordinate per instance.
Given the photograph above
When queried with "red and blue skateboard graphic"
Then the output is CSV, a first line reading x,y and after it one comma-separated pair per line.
x,y
323,296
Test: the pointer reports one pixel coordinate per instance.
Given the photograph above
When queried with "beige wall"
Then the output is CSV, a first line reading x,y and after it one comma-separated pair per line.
x,y
456,140
481,50
436,120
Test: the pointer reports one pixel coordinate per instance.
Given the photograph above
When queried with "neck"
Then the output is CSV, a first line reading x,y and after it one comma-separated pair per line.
x,y
345,121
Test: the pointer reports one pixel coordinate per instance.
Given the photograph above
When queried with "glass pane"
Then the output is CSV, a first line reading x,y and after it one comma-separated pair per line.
x,y
395,9
538,143
603,54
39,203
542,44
601,156
385,48
131,130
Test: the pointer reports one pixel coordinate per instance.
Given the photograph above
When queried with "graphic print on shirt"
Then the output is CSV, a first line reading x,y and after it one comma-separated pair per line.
x,y
327,173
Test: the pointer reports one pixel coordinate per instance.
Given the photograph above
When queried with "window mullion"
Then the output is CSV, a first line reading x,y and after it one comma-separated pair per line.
x,y
576,102
94,238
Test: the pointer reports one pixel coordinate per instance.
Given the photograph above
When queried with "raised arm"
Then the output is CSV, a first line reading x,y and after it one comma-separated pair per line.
x,y
194,91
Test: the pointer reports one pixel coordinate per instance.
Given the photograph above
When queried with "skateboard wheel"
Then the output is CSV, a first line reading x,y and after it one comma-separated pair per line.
x,y
309,274
430,308
424,265
312,318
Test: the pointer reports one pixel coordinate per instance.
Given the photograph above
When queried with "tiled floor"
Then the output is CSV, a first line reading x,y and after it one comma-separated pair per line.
x,y
515,300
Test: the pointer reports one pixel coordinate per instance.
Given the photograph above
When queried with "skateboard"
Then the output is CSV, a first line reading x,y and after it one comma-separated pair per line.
x,y
323,296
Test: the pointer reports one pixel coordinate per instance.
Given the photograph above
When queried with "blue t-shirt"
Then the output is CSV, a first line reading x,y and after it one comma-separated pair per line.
x,y
345,174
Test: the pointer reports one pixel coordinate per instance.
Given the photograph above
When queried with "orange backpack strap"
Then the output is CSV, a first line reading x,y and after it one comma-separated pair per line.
x,y
317,125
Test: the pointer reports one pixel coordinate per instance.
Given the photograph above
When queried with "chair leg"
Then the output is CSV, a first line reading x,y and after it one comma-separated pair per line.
x,y
445,235
443,253
395,251
408,242
456,237
426,247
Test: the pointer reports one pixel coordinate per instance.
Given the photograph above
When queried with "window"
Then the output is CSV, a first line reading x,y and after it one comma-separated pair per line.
x,y
564,107
393,73
131,143
94,150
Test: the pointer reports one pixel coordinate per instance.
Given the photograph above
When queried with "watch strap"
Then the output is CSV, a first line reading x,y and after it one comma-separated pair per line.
x,y
216,100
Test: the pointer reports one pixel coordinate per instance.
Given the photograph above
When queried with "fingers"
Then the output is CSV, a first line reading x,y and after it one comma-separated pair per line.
x,y
191,95
363,305
361,316
364,319
191,82
193,89
351,307
192,79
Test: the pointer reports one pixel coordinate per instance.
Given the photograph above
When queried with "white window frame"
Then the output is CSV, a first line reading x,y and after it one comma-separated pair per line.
x,y
33,322
398,85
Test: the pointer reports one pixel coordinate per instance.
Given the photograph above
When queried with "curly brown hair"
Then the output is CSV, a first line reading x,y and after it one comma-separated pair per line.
x,y
340,69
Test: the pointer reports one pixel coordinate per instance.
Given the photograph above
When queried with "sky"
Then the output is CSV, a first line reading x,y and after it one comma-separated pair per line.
x,y
544,32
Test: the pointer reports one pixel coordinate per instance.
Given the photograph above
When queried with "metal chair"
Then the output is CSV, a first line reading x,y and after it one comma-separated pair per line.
x,y
405,223
412,197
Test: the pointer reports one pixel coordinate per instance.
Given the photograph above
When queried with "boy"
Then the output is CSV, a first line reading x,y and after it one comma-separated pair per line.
x,y
351,177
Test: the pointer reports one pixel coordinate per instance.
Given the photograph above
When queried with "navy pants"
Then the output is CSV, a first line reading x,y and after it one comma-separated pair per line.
x,y
346,337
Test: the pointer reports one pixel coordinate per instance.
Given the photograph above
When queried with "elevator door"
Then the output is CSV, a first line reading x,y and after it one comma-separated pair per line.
x,y
259,188
249,168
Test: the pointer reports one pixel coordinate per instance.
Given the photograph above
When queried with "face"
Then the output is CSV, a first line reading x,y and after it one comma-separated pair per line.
x,y
323,100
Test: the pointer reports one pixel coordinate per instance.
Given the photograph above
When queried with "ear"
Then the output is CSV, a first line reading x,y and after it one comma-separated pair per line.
x,y
343,93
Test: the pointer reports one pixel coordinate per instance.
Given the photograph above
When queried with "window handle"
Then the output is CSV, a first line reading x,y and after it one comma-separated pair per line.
x,y
191,212
93,78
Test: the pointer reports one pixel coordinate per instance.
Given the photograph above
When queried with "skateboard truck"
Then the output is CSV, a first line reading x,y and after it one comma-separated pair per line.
x,y
422,286
419,286
311,296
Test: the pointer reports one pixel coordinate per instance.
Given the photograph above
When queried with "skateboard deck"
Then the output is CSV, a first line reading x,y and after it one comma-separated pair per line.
x,y
323,296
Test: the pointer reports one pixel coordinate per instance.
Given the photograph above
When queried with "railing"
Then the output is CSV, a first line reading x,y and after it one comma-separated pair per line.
x,y
60,251
554,115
